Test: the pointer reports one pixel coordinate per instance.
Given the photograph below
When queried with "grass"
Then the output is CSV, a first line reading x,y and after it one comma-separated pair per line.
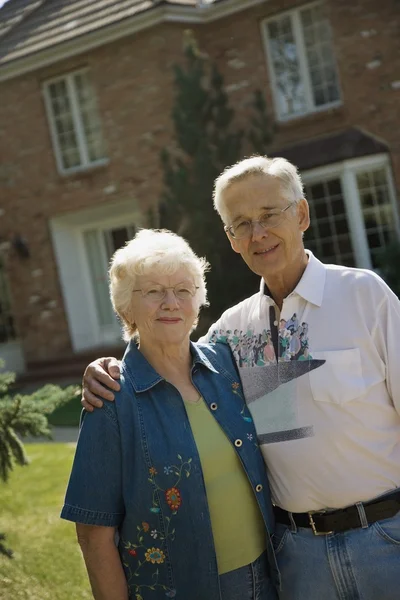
x,y
47,563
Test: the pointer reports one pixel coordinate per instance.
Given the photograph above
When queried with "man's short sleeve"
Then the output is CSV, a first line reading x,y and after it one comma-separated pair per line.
x,y
94,493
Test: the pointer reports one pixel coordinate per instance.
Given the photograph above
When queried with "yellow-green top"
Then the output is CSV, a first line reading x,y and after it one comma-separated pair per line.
x,y
237,524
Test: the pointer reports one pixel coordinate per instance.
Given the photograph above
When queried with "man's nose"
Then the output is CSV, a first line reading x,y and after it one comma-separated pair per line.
x,y
258,232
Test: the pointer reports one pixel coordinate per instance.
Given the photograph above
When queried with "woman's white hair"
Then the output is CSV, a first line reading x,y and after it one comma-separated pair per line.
x,y
280,168
151,249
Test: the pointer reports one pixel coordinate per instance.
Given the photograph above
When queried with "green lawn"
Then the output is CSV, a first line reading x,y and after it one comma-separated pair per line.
x,y
47,564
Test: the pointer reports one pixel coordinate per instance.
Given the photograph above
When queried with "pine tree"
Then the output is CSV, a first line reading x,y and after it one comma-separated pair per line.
x,y
208,140
20,416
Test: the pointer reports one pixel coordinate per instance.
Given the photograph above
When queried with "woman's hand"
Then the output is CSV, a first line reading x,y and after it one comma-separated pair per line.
x,y
101,371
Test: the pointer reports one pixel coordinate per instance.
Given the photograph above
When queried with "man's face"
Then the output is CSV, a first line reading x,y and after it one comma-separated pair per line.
x,y
268,253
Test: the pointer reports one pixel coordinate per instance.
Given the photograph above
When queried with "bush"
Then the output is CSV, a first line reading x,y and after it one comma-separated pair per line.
x,y
23,415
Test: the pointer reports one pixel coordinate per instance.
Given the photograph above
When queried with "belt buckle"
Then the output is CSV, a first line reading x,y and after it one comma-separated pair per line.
x,y
314,527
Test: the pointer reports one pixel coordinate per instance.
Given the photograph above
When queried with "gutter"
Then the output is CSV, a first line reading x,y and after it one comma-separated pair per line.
x,y
199,15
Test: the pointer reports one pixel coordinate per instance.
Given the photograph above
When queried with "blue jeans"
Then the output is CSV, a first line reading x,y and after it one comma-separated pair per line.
x,y
360,564
251,582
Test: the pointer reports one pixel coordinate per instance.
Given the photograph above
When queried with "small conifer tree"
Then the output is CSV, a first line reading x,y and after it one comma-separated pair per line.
x,y
207,141
21,416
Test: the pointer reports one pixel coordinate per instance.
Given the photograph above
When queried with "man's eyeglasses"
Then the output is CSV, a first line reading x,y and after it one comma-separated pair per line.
x,y
268,220
157,293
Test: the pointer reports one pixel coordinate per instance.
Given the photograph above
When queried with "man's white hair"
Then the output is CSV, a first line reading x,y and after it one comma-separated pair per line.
x,y
151,250
280,168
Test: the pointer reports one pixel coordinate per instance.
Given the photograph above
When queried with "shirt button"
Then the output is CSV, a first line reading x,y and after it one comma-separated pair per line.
x,y
238,443
213,406
259,487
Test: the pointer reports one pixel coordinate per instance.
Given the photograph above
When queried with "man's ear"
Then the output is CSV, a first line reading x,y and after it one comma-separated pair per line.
x,y
232,241
303,215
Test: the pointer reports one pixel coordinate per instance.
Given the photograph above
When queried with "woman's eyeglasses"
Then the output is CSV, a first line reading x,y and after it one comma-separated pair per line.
x,y
156,292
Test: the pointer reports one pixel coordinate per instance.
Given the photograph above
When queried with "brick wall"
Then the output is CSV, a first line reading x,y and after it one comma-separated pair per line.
x,y
133,82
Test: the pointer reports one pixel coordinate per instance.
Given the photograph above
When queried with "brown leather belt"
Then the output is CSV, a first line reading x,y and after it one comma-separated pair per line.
x,y
336,521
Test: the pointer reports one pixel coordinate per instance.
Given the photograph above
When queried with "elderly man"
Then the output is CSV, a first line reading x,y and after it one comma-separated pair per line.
x,y
327,410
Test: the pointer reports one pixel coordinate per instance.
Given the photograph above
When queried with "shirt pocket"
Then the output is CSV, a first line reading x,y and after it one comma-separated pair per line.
x,y
340,379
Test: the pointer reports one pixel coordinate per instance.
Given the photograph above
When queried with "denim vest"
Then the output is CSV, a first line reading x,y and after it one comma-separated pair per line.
x,y
145,475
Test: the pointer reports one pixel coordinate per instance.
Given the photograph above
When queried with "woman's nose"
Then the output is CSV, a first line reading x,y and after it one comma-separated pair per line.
x,y
170,300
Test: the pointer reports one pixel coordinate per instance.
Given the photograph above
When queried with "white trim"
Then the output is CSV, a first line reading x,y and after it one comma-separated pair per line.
x,y
297,30
302,57
67,235
355,218
100,37
375,160
347,172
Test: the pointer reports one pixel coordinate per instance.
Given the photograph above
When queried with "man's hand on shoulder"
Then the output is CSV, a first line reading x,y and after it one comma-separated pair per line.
x,y
101,372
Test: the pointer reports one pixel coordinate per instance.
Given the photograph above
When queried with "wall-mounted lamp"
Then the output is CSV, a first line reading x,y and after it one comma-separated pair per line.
x,y
21,247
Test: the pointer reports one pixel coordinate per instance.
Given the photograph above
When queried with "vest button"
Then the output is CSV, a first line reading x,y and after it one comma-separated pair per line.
x,y
259,487
213,406
238,443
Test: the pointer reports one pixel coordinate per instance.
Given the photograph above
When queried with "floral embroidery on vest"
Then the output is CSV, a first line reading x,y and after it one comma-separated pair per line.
x,y
144,549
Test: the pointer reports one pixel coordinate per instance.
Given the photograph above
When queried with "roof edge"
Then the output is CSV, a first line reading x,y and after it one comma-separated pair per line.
x,y
94,39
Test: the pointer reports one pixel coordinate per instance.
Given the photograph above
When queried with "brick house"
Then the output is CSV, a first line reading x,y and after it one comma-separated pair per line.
x,y
86,92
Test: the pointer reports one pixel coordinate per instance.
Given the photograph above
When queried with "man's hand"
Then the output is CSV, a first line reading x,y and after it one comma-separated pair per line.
x,y
101,371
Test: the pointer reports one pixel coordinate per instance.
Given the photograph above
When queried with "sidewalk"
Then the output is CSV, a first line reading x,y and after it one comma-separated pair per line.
x,y
60,434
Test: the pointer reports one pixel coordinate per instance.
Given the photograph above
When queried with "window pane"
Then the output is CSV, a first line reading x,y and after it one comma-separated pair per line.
x,y
100,245
319,53
284,58
377,208
329,235
64,124
90,117
98,272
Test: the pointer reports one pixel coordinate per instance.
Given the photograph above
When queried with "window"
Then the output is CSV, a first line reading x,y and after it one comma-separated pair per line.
x,y
377,209
329,234
7,331
353,211
74,122
100,245
301,60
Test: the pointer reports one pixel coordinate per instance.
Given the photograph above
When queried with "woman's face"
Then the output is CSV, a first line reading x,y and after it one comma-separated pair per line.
x,y
168,320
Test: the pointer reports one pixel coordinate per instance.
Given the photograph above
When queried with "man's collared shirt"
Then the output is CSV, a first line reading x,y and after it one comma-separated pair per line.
x,y
322,382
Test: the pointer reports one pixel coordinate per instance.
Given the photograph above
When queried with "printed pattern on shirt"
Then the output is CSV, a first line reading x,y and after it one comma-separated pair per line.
x,y
252,349
269,382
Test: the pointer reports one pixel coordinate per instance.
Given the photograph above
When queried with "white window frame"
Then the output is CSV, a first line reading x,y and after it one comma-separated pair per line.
x,y
303,65
74,270
101,227
347,172
86,163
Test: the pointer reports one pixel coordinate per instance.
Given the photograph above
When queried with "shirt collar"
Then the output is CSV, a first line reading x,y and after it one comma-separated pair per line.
x,y
311,285
143,376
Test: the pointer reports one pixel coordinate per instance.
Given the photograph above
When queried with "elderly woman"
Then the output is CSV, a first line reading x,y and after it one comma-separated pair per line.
x,y
168,488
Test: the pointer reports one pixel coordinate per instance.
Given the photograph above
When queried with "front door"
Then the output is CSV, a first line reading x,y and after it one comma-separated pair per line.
x,y
100,244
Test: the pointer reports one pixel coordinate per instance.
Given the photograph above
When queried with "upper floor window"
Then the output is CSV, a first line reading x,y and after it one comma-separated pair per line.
x,y
74,122
301,60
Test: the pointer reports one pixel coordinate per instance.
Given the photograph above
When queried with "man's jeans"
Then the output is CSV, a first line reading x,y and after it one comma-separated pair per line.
x,y
360,564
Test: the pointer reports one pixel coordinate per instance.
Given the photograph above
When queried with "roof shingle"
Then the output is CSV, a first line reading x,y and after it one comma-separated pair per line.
x,y
28,26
